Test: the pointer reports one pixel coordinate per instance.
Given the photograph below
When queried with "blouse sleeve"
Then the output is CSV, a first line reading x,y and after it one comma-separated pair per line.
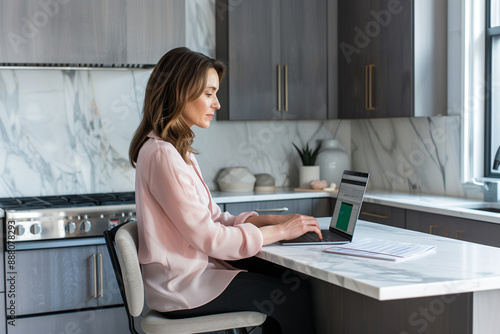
x,y
219,235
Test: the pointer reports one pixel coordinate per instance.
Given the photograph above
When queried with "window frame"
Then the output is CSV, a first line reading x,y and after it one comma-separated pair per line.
x,y
490,33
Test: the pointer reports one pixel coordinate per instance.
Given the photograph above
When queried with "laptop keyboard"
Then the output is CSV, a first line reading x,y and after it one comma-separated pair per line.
x,y
309,236
313,237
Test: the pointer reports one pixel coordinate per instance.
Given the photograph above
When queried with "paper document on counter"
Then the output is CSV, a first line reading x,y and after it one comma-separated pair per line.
x,y
382,249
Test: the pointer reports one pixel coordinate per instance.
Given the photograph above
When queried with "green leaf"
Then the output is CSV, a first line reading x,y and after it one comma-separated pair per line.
x,y
308,156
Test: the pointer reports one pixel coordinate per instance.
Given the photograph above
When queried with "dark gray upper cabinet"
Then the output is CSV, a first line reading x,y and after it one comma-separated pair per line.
x,y
391,58
90,32
153,28
276,53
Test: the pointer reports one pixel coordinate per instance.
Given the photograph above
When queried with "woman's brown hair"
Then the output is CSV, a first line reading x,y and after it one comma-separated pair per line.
x,y
180,76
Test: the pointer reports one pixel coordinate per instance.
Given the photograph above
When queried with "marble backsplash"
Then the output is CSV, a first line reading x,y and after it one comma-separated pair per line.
x,y
411,155
263,146
68,132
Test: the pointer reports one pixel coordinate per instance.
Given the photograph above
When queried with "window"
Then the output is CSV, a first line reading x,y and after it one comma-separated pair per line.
x,y
492,121
467,82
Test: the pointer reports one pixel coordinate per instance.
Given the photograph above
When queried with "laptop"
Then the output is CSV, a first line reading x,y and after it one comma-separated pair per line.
x,y
345,215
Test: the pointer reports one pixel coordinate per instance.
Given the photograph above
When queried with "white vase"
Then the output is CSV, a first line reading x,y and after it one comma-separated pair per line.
x,y
333,160
236,179
307,174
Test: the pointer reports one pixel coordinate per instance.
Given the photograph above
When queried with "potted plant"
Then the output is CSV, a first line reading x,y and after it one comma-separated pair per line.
x,y
308,172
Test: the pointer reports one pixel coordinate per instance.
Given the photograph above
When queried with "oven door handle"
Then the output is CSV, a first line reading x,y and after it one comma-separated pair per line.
x,y
94,258
101,292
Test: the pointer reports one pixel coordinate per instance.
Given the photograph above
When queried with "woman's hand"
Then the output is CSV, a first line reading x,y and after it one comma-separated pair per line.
x,y
264,220
289,227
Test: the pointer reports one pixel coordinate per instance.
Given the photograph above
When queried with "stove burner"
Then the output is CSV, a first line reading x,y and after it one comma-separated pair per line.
x,y
114,198
66,201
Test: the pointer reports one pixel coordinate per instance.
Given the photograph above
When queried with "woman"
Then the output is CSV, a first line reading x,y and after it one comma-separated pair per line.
x,y
184,238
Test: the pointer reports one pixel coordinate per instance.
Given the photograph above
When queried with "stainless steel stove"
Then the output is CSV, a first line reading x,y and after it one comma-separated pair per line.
x,y
56,263
63,217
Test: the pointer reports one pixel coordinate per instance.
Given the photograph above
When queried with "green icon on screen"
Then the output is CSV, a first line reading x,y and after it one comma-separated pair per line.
x,y
344,216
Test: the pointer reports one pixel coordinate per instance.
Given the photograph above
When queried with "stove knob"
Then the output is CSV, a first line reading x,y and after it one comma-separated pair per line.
x,y
19,230
70,227
129,219
85,226
35,229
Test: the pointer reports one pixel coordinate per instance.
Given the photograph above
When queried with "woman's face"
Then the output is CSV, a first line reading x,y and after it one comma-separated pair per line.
x,y
201,111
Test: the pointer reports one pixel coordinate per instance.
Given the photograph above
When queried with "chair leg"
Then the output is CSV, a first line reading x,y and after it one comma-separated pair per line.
x,y
237,331
241,331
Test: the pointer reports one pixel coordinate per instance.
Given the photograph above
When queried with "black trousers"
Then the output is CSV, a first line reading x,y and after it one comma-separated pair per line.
x,y
280,293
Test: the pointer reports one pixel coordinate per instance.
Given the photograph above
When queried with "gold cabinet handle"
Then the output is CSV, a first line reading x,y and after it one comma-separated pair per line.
x,y
279,87
432,227
95,274
458,233
272,210
374,215
101,294
285,67
369,87
367,79
371,107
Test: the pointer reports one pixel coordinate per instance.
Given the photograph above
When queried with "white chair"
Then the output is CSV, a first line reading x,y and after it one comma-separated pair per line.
x,y
123,240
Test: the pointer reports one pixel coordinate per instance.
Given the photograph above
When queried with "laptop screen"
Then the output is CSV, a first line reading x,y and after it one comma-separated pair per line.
x,y
349,199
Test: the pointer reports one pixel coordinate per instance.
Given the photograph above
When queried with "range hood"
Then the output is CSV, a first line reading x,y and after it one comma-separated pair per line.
x,y
98,34
55,66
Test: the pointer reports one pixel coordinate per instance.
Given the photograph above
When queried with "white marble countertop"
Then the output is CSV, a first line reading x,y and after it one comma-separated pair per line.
x,y
278,194
450,206
455,267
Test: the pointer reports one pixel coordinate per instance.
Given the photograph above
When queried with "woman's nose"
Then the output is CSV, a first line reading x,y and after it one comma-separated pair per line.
x,y
216,104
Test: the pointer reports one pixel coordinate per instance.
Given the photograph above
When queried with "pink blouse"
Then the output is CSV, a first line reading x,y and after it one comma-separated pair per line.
x,y
184,237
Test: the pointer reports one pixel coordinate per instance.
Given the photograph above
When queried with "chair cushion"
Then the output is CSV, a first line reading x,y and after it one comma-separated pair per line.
x,y
126,242
155,323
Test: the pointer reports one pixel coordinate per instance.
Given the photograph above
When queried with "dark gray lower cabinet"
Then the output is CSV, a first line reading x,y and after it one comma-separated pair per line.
x,y
66,290
2,314
323,207
317,207
454,227
98,321
383,214
61,279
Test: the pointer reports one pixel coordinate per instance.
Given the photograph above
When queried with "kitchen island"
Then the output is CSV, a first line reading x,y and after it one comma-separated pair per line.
x,y
454,290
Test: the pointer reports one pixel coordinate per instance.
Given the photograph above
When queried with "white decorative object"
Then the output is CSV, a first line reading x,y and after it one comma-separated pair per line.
x,y
332,187
319,184
333,160
307,174
265,183
236,179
